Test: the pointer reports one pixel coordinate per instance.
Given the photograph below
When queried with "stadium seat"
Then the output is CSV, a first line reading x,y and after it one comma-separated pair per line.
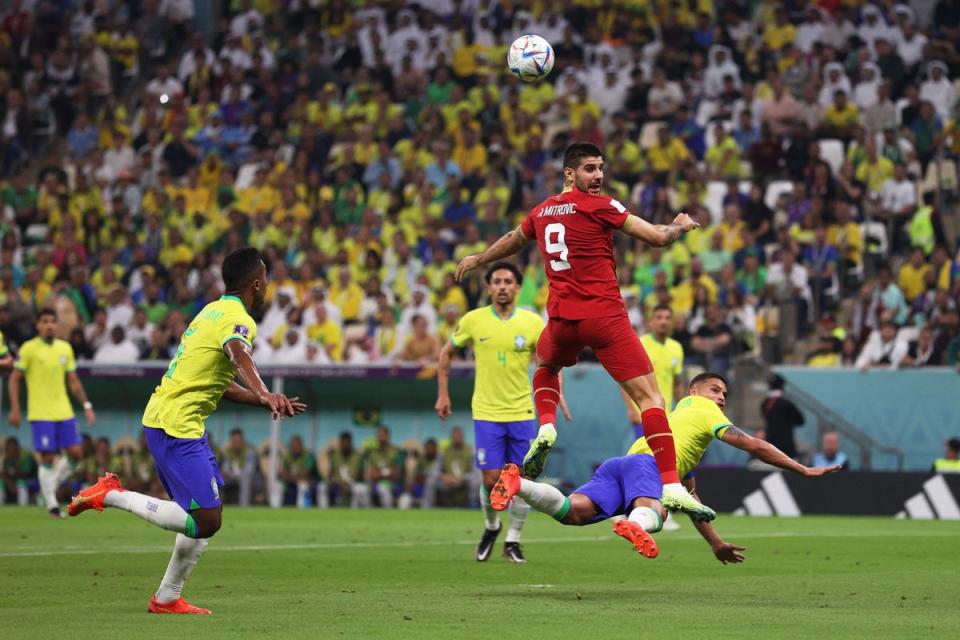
x,y
774,190
831,152
947,176
714,199
648,135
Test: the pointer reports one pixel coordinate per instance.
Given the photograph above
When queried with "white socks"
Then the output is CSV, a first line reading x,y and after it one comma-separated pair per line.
x,y
63,468
647,518
518,516
543,497
47,478
165,514
491,519
385,493
186,552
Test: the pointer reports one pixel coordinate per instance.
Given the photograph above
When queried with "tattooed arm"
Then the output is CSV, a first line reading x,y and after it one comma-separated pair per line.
x,y
763,450
659,235
508,244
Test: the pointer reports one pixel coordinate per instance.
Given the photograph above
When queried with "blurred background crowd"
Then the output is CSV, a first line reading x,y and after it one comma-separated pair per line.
x,y
366,147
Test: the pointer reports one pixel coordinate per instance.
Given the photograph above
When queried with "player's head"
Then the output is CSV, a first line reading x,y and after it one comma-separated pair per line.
x,y
712,386
661,321
47,324
244,272
952,448
583,166
503,283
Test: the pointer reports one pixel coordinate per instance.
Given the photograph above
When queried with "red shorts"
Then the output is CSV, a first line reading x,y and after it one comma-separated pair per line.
x,y
612,338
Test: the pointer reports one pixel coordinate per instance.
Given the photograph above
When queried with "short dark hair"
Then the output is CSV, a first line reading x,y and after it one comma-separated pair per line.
x,y
708,375
954,444
47,311
663,307
577,151
498,266
240,267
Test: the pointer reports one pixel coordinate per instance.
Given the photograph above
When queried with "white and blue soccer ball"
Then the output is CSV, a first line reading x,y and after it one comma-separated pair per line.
x,y
530,58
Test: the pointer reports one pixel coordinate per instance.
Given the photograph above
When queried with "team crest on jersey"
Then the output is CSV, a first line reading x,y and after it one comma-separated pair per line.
x,y
519,343
241,330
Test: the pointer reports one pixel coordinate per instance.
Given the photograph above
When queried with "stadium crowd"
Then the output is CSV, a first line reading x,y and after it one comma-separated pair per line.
x,y
366,147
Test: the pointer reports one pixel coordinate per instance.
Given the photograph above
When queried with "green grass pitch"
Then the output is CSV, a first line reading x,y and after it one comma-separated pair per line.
x,y
354,574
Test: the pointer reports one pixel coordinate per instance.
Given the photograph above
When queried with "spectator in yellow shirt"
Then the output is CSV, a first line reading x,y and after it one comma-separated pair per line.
x,y
841,116
347,295
327,333
723,156
780,33
875,169
844,234
667,154
912,274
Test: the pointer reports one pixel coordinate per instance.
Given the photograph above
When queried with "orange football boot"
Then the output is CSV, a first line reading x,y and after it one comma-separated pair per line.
x,y
92,497
179,606
641,540
508,485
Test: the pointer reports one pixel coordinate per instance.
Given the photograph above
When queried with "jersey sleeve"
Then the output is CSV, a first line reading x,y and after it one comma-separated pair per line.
x,y
23,358
529,231
612,214
71,364
462,335
716,421
236,327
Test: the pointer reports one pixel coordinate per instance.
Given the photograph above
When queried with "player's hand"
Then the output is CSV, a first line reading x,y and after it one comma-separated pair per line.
x,y
467,265
565,409
278,404
816,472
14,418
685,222
727,552
90,416
443,407
298,407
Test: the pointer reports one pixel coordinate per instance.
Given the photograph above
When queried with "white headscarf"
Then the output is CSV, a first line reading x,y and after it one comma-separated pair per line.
x,y
716,70
940,92
865,93
830,86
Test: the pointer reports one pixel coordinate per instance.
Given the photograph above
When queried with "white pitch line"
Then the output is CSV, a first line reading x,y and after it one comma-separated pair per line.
x,y
69,551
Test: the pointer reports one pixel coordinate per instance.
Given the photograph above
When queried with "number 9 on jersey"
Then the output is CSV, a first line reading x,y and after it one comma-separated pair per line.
x,y
553,241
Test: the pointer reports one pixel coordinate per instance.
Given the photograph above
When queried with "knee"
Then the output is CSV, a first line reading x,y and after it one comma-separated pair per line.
x,y
208,522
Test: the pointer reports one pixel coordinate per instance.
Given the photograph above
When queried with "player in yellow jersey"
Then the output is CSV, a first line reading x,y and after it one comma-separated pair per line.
x,y
504,339
666,356
216,348
631,485
48,365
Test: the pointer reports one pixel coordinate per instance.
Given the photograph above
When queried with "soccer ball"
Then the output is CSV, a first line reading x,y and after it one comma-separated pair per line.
x,y
530,58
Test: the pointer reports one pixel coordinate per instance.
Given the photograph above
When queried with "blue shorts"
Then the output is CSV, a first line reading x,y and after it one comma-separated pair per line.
x,y
51,437
498,443
187,468
620,481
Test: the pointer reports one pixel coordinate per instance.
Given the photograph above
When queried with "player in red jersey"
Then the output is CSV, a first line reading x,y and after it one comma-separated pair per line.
x,y
574,232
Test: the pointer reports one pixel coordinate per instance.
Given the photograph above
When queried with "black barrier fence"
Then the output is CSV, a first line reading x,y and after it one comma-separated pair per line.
x,y
772,493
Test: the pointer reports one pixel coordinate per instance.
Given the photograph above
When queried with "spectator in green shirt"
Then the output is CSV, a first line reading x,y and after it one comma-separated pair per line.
x,y
299,474
344,484
383,468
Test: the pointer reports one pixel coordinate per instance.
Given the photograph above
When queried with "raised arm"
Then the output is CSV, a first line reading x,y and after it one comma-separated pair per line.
x,y
659,235
763,450
507,245
241,357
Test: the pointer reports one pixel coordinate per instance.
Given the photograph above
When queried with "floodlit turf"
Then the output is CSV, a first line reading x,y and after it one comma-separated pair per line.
x,y
351,574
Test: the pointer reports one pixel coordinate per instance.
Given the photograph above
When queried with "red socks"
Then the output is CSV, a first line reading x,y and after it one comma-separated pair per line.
x,y
546,394
656,429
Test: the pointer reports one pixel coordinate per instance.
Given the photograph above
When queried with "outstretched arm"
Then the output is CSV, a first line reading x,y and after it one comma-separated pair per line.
x,y
507,245
241,395
763,450
724,551
658,235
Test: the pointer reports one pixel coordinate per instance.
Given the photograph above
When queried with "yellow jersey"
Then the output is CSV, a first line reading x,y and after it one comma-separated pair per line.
x,y
200,371
45,366
502,350
695,423
3,346
667,360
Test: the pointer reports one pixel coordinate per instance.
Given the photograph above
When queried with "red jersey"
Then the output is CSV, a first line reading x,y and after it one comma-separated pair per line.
x,y
574,231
